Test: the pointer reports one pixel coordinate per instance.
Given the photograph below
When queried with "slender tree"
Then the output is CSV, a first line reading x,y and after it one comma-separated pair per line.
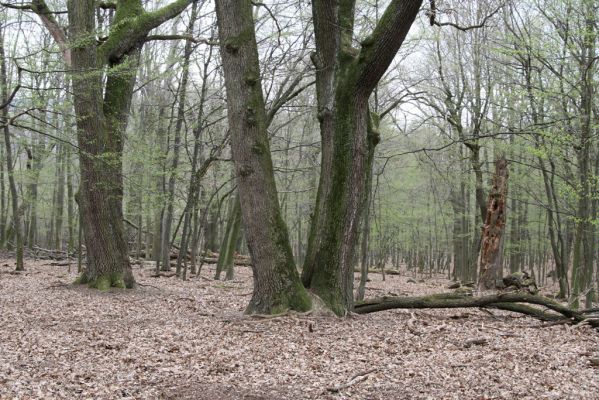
x,y
16,211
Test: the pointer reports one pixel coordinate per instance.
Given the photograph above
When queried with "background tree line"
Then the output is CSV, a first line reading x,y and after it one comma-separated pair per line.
x,y
513,78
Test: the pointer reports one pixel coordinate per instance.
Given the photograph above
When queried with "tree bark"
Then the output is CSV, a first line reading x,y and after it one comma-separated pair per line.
x,y
505,301
101,180
494,229
102,111
345,78
276,282
9,160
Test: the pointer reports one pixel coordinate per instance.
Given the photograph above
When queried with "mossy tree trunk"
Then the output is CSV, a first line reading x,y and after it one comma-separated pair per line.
x,y
511,301
277,286
102,109
345,79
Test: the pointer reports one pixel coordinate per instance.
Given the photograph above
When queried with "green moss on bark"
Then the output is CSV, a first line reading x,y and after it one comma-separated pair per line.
x,y
82,279
103,282
297,299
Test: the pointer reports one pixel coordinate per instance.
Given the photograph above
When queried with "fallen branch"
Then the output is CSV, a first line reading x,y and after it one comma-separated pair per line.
x,y
504,301
359,377
208,259
146,285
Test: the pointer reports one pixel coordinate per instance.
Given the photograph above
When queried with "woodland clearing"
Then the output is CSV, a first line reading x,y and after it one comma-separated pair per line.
x,y
174,339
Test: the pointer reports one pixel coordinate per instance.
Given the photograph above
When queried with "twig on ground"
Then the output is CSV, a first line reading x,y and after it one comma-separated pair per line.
x,y
357,378
146,285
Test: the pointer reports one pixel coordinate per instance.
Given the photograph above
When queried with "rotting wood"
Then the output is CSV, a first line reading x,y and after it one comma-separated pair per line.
x,y
493,230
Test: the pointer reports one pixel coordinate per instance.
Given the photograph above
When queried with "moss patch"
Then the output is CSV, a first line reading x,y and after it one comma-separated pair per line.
x,y
105,282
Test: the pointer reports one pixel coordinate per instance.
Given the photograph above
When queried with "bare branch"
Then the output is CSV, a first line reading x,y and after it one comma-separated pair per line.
x,y
432,15
15,90
46,15
380,48
205,41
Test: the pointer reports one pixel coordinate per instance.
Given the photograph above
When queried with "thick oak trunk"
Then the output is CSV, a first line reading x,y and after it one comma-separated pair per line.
x,y
345,78
101,188
276,282
102,111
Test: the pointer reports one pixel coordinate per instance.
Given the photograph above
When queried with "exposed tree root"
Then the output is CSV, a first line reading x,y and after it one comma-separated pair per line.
x,y
519,302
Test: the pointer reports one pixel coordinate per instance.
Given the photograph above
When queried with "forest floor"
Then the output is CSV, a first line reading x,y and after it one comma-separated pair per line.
x,y
171,339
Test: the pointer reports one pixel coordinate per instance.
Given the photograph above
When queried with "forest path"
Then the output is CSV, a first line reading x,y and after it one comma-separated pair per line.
x,y
189,340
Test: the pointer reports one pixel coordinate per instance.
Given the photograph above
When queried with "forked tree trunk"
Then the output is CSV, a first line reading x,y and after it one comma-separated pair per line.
x,y
494,228
101,184
276,282
345,78
102,112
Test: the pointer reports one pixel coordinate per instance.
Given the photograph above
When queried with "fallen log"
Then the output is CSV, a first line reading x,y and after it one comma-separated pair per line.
x,y
50,254
515,301
211,258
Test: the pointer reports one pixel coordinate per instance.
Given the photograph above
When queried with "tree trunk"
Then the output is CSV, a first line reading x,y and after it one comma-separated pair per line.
x,y
60,192
70,205
460,257
229,242
366,224
100,195
191,205
3,202
276,282
9,160
494,228
504,301
345,78
102,111
169,209
582,268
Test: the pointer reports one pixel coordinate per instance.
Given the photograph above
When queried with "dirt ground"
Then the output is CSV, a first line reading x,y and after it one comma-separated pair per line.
x,y
171,339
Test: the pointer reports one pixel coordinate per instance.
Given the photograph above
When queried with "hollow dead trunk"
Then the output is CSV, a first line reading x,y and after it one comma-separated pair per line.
x,y
494,228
